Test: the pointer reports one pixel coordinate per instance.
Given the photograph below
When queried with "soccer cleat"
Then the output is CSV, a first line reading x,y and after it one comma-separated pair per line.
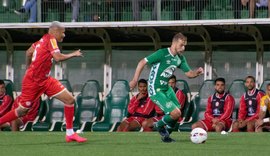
x,y
167,139
75,137
162,131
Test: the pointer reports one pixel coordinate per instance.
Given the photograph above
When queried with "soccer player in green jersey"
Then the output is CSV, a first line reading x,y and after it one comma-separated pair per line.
x,y
164,62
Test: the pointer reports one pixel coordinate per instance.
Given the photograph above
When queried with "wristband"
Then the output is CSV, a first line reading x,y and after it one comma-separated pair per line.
x,y
265,120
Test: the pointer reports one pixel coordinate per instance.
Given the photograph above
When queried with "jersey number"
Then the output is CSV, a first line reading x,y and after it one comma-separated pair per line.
x,y
35,53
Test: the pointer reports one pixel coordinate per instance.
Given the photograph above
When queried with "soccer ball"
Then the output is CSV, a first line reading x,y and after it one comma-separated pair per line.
x,y
198,135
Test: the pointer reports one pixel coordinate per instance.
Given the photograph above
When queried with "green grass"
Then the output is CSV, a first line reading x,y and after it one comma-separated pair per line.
x,y
132,143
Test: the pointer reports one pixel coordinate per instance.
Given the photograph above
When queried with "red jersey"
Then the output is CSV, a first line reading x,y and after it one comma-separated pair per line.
x,y
42,58
143,107
249,107
5,104
181,98
219,106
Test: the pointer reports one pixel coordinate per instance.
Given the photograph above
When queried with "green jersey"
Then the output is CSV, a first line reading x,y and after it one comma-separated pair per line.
x,y
163,66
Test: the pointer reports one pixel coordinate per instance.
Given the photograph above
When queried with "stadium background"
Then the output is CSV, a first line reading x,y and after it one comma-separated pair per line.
x,y
224,45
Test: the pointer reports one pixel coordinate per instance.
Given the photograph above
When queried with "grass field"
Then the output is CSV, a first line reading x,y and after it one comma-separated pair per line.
x,y
132,143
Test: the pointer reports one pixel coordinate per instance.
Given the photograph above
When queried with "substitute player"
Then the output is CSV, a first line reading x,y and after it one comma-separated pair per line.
x,y
249,107
37,79
263,123
5,102
218,114
164,62
140,108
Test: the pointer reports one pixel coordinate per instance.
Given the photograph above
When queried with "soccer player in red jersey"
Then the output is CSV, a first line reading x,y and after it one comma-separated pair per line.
x,y
218,114
37,79
249,107
140,108
5,102
149,123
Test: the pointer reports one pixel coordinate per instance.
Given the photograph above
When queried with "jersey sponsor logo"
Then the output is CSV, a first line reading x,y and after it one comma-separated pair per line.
x,y
167,73
250,102
152,79
28,103
151,90
217,104
163,82
54,43
216,112
168,61
251,111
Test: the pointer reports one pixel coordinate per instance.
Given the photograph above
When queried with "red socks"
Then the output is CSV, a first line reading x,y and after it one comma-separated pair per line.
x,y
69,114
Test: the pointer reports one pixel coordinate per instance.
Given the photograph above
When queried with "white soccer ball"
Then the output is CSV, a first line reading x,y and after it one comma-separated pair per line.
x,y
224,132
198,135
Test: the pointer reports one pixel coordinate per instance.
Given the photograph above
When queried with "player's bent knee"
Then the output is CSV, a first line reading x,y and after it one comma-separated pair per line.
x,y
70,101
219,128
176,114
251,124
144,124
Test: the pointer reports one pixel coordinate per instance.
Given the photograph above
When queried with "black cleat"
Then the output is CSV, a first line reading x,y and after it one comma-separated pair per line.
x,y
167,139
162,131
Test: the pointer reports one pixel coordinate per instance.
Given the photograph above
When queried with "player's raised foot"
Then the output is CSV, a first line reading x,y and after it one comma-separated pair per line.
x,y
75,137
162,130
167,139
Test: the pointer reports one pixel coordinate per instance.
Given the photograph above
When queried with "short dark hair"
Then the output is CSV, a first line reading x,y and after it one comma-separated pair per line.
x,y
250,77
173,77
142,81
2,82
220,79
178,36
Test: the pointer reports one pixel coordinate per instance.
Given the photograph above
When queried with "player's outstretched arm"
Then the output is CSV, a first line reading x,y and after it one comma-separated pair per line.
x,y
62,57
137,74
194,73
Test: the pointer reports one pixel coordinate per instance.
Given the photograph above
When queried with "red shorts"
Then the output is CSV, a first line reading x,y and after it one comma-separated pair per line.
x,y
32,113
135,118
208,124
31,90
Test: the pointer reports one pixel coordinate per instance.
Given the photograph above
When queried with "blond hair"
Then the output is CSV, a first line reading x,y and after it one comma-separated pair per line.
x,y
178,36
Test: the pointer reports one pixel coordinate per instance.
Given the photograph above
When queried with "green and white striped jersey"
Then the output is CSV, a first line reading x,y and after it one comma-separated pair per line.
x,y
163,66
